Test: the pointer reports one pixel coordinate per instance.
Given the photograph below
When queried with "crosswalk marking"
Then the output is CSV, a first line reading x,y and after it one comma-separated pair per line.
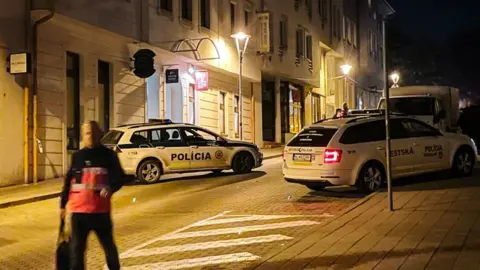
x,y
196,262
240,219
239,230
206,245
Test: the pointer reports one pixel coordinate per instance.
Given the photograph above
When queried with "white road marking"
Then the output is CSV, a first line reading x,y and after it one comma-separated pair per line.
x,y
238,230
240,219
190,263
206,245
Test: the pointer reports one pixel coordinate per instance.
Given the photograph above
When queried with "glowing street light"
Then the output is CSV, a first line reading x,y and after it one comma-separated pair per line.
x,y
241,41
346,69
395,77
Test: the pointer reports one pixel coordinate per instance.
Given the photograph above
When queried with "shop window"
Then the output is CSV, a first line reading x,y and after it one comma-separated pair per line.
x,y
205,13
222,113
166,5
295,110
73,101
191,104
236,111
187,10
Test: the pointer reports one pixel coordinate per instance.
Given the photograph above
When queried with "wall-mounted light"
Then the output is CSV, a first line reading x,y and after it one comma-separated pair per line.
x,y
191,69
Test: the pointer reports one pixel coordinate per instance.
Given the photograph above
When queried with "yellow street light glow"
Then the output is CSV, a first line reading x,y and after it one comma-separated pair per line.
x,y
240,36
346,68
395,77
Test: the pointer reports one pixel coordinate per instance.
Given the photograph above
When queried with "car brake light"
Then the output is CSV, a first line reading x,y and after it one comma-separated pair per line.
x,y
332,156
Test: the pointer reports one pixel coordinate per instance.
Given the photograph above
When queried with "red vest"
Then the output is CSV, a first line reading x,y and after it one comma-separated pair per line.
x,y
85,197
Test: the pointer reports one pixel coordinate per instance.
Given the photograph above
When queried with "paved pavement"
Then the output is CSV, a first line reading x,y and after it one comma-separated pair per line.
x,y
202,221
21,194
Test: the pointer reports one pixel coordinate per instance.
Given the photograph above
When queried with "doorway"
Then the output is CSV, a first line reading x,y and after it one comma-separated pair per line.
x,y
268,111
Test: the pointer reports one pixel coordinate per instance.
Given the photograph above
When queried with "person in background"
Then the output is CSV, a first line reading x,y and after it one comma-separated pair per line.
x,y
344,110
338,114
94,176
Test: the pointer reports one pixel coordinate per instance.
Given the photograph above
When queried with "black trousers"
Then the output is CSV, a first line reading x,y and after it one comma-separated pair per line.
x,y
101,224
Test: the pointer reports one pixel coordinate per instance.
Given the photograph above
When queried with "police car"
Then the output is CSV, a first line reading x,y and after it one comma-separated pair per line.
x,y
159,147
351,151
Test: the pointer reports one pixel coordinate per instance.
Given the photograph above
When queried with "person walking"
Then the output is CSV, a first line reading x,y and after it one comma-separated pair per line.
x,y
94,176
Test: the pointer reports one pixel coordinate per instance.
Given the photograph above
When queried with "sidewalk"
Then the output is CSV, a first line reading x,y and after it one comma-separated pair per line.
x,y
435,225
21,194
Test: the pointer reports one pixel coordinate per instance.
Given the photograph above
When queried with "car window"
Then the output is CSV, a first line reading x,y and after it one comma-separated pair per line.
x,y
165,136
200,137
315,137
363,133
416,128
140,137
112,137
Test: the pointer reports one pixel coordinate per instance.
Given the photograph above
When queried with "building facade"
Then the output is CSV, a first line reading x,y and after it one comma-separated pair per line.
x,y
84,70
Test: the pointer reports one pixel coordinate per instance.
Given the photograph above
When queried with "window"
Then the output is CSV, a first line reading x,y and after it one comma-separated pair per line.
x,y
333,21
353,31
191,104
140,137
196,136
104,82
339,23
222,114
314,137
295,110
316,115
165,137
300,43
205,13
187,10
363,133
166,5
309,48
283,33
416,128
323,10
112,137
309,8
411,105
236,115
345,24
73,101
232,16
246,17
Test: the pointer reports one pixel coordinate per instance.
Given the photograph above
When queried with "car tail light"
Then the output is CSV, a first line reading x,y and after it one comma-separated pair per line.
x,y
117,149
332,156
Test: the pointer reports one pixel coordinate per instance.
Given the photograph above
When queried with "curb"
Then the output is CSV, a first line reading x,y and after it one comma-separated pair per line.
x,y
30,200
56,194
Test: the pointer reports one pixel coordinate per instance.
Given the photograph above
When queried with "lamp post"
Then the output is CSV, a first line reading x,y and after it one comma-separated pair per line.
x,y
241,41
395,77
345,70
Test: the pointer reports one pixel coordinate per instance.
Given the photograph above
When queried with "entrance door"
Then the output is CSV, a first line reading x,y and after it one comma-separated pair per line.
x,y
268,111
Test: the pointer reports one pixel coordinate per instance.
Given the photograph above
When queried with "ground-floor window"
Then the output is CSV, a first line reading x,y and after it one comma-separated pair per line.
x,y
236,115
316,112
295,110
73,101
222,116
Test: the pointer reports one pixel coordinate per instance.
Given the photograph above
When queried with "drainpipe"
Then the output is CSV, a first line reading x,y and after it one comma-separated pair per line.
x,y
35,90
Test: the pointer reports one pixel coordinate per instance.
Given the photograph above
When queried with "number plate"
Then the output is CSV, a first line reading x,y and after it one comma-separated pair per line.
x,y
302,158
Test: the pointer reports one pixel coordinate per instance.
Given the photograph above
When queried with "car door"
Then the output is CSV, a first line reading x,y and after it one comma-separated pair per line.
x,y
431,147
207,149
171,147
403,150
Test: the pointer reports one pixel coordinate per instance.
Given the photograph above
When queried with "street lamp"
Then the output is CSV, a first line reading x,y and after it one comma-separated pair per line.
x,y
395,77
241,41
345,70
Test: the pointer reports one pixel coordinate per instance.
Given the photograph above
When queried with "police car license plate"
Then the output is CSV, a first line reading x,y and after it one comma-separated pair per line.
x,y
302,158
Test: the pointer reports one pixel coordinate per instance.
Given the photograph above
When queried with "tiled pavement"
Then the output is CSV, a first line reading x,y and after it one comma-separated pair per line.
x,y
21,194
435,225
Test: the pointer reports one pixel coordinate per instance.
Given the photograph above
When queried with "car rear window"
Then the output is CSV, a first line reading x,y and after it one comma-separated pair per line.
x,y
112,137
315,137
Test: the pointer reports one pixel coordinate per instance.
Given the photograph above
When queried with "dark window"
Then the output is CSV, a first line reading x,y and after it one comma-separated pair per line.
x,y
73,101
411,105
284,33
246,16
200,137
187,10
314,137
140,137
205,13
112,137
104,84
232,16
415,128
300,44
363,133
166,137
309,48
166,5
333,21
339,23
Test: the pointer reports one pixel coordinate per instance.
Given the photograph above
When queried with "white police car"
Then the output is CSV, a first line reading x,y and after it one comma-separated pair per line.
x,y
159,147
351,151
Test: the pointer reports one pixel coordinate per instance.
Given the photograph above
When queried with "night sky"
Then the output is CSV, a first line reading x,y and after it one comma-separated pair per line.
x,y
435,19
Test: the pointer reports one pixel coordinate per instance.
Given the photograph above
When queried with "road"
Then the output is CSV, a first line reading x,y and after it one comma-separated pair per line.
x,y
202,221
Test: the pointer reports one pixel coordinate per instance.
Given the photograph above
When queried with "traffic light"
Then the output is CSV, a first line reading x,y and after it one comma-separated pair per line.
x,y
143,63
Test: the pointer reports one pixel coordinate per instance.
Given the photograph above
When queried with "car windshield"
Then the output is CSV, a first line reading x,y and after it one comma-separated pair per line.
x,y
411,105
315,137
112,137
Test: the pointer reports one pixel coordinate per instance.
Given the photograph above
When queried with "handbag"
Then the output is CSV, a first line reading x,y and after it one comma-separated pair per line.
x,y
63,247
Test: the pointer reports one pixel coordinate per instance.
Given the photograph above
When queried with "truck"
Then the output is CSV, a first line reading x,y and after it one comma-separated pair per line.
x,y
435,105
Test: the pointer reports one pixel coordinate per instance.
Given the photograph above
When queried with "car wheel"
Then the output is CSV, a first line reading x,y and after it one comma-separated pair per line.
x,y
370,178
149,171
317,187
463,162
242,163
